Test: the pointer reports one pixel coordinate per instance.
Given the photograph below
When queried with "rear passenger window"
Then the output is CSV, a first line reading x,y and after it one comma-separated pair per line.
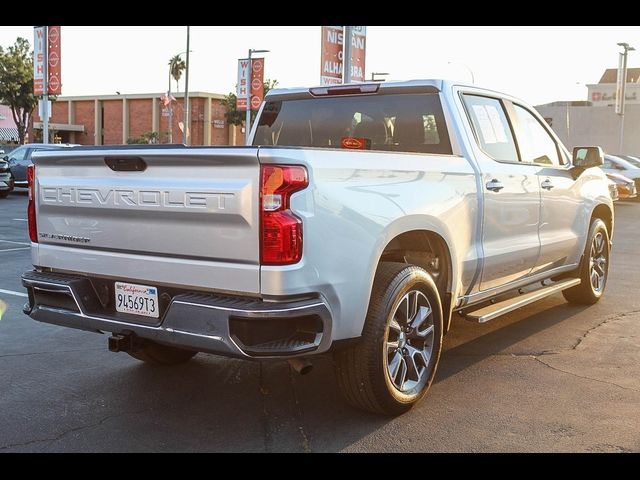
x,y
536,145
492,127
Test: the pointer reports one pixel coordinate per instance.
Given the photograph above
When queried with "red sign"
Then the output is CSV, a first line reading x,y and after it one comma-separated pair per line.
x,y
38,60
243,81
257,82
358,53
55,64
355,143
331,56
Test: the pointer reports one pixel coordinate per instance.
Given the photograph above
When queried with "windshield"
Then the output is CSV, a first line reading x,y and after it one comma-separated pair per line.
x,y
397,122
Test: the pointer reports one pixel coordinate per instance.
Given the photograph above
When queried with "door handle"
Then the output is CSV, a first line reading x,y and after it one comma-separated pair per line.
x,y
547,184
494,185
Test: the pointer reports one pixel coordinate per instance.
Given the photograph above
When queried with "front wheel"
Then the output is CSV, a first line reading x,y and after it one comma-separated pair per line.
x,y
594,267
393,365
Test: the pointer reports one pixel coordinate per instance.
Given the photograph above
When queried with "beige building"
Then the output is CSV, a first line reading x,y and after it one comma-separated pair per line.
x,y
595,122
603,93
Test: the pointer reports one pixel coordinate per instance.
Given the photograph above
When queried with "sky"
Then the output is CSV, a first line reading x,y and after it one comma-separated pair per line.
x,y
537,64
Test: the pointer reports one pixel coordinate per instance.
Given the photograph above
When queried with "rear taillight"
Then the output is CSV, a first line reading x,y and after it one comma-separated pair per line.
x,y
280,229
31,209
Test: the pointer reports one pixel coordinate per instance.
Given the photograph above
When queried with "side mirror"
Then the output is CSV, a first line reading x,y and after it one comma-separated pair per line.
x,y
587,157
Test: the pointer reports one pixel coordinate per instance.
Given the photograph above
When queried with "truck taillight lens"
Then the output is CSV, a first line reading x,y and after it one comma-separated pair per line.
x,y
31,208
280,229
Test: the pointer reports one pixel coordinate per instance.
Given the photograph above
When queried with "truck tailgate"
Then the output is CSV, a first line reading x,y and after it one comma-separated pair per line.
x,y
169,215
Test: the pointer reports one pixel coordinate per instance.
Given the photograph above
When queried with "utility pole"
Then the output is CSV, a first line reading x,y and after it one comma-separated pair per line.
x,y
185,129
45,96
247,121
621,90
170,106
347,49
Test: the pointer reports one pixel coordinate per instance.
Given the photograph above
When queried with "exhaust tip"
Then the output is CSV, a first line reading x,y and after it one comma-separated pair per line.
x,y
301,365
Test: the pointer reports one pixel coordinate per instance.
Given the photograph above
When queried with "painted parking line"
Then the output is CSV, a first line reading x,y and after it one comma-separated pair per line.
x,y
14,249
11,292
15,243
20,219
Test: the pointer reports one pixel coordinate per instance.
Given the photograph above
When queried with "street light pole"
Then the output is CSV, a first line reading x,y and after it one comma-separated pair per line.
x,y
170,107
174,59
247,122
622,84
185,126
45,96
347,54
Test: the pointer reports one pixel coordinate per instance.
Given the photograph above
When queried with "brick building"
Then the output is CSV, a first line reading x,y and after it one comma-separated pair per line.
x,y
115,119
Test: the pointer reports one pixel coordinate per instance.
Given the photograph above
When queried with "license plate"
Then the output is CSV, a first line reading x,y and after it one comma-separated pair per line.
x,y
137,299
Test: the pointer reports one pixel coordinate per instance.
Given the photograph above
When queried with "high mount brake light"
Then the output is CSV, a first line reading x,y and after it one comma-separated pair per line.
x,y
344,90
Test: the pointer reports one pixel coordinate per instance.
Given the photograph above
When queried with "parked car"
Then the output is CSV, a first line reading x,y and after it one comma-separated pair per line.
x,y
613,164
361,218
20,158
6,181
632,159
625,187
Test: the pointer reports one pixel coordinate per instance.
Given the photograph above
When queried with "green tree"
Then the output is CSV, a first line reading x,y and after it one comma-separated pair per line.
x,y
147,137
177,67
235,117
16,83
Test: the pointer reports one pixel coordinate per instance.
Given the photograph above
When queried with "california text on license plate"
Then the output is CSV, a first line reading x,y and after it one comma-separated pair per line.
x,y
137,299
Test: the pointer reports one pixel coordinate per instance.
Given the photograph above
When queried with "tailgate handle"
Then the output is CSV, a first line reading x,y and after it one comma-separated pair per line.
x,y
126,164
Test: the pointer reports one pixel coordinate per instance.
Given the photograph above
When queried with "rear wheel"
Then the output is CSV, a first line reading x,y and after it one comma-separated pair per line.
x,y
158,354
594,268
393,365
4,193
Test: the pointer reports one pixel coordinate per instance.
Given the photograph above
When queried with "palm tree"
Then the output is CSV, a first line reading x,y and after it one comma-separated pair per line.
x,y
177,66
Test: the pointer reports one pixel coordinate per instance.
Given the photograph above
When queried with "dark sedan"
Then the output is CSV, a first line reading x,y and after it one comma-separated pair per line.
x,y
20,158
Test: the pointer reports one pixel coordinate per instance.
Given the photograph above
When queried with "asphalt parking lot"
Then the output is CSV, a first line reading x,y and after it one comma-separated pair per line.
x,y
549,377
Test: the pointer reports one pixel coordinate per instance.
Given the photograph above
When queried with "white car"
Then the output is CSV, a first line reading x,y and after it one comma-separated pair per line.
x,y
613,164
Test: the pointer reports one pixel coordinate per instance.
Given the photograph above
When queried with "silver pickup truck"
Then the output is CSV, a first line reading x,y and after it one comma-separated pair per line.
x,y
361,218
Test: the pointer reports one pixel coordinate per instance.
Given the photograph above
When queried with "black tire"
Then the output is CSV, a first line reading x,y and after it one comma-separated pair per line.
x,y
4,193
363,369
158,354
586,293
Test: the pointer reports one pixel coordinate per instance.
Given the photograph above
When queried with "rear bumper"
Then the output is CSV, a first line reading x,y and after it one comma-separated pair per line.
x,y
224,325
